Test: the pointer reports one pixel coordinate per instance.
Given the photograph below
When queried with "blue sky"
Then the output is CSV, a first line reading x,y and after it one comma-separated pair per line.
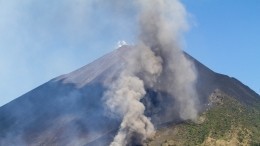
x,y
226,37
40,40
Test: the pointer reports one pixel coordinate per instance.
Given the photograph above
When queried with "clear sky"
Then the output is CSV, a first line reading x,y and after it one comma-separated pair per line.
x,y
40,40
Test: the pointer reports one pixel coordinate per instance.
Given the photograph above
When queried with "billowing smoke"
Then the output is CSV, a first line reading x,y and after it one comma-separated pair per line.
x,y
162,23
156,62
124,95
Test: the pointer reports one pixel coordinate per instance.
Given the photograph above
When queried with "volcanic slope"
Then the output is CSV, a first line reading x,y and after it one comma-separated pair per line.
x,y
68,110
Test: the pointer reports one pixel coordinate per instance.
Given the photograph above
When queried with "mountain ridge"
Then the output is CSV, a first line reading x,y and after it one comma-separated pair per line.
x,y
73,102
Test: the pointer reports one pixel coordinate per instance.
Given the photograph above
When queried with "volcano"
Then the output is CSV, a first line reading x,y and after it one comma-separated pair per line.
x,y
68,110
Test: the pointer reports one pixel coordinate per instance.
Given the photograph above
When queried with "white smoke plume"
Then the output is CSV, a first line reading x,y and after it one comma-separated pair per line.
x,y
124,95
162,23
157,62
125,101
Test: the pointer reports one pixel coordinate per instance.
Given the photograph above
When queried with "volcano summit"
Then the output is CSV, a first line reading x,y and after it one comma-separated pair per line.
x,y
70,109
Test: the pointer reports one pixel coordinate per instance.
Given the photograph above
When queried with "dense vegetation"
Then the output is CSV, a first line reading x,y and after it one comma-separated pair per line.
x,y
226,122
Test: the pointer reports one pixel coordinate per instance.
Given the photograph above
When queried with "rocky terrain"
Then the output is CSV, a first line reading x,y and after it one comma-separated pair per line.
x,y
226,122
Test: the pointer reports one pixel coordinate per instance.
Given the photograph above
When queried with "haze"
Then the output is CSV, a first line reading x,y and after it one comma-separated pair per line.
x,y
40,40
